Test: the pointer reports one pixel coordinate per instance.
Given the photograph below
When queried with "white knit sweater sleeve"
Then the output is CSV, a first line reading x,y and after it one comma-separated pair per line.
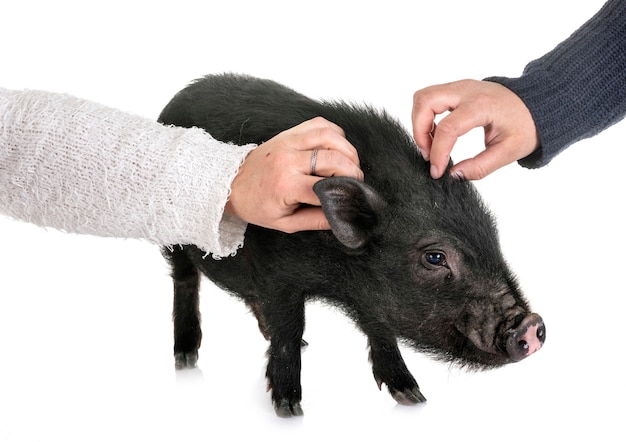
x,y
81,167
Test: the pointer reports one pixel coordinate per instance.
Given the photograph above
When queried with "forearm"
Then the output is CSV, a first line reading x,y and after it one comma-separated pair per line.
x,y
81,167
579,88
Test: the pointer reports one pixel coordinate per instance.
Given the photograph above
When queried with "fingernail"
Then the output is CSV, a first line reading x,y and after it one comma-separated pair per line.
x,y
458,174
434,172
423,154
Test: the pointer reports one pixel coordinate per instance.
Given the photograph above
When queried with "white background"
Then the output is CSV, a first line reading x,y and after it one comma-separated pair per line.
x,y
85,328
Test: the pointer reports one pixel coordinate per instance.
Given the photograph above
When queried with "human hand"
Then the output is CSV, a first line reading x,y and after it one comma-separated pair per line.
x,y
274,186
510,132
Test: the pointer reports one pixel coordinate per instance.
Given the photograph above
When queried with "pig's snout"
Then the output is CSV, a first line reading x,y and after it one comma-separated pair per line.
x,y
527,338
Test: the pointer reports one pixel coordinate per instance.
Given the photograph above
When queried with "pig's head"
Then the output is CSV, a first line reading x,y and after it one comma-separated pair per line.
x,y
446,287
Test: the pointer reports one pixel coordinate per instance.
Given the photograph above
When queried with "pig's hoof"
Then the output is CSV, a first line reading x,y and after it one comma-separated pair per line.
x,y
186,360
408,397
285,408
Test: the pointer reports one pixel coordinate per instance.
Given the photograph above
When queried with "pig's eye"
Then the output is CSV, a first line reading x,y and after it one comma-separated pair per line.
x,y
435,258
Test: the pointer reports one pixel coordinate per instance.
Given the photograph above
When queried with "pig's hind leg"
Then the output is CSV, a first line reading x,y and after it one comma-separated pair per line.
x,y
255,308
186,314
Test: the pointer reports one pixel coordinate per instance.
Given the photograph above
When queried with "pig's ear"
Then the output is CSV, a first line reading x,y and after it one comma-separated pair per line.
x,y
351,207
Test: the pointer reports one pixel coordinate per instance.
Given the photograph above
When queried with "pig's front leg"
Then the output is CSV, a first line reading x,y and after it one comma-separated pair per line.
x,y
284,358
389,368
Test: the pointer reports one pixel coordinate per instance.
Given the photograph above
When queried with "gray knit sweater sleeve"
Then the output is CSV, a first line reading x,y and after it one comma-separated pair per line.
x,y
579,88
81,167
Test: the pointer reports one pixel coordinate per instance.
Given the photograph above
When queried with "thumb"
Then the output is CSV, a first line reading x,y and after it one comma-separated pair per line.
x,y
305,218
486,162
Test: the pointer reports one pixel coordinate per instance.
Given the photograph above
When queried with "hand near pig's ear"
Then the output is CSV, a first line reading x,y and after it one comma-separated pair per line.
x,y
351,207
274,186
510,132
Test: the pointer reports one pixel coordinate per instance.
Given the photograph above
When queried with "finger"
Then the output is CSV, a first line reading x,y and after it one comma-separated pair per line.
x,y
460,121
423,126
320,133
328,139
472,169
486,162
321,122
329,163
427,104
301,192
305,218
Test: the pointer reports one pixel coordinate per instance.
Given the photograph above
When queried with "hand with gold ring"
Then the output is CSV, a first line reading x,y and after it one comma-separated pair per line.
x,y
274,186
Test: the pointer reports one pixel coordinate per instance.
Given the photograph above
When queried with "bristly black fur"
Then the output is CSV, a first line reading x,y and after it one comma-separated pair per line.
x,y
416,260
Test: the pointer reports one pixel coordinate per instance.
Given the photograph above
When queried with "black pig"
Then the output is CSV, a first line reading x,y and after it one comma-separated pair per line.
x,y
409,258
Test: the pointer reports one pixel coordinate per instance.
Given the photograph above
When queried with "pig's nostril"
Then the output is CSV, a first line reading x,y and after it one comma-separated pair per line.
x,y
541,333
526,338
518,347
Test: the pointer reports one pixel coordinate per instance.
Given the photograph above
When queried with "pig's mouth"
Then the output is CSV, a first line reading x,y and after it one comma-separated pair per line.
x,y
477,347
477,356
